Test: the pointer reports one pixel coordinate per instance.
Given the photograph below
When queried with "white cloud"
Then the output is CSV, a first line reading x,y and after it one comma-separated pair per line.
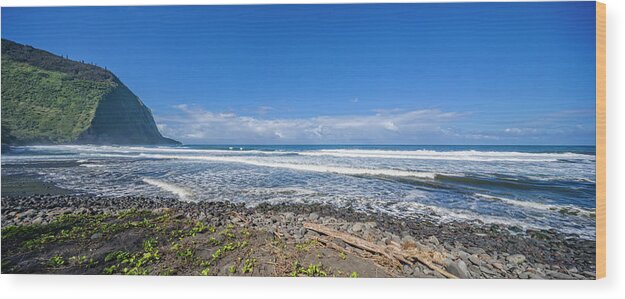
x,y
521,131
192,124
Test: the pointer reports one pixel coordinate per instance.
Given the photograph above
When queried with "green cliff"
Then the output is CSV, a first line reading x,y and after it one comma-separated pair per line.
x,y
47,99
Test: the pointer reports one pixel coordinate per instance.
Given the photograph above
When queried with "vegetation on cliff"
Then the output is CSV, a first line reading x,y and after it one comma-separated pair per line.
x,y
49,99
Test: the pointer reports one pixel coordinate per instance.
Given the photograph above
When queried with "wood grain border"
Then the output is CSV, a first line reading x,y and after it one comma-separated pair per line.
x,y
600,113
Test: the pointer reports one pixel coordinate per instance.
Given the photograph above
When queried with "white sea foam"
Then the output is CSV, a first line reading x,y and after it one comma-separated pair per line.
x,y
469,155
446,215
472,155
537,205
181,192
204,181
302,167
160,150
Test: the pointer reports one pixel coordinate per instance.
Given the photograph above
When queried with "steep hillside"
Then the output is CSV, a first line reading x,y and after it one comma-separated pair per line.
x,y
49,99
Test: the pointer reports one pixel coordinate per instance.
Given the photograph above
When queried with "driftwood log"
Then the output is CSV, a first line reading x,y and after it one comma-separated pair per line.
x,y
393,253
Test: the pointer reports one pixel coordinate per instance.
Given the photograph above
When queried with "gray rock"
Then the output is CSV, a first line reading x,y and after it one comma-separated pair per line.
x,y
433,240
474,270
558,275
475,259
463,255
459,269
357,227
407,270
486,270
313,216
417,272
408,239
475,250
37,220
533,275
96,236
516,259
499,266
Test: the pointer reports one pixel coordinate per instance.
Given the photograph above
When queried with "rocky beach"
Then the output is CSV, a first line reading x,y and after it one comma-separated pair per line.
x,y
67,234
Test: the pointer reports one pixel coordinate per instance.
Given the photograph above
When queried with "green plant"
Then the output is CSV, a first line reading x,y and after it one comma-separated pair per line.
x,y
353,275
248,265
110,270
56,261
233,269
305,246
118,256
198,228
229,246
227,232
205,271
187,253
342,255
213,241
313,270
78,260
217,254
149,245
175,246
167,272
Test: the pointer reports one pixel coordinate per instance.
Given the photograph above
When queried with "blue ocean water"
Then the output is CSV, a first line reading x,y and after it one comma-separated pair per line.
x,y
544,187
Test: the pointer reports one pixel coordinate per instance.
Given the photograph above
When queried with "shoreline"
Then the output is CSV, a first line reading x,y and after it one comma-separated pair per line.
x,y
284,240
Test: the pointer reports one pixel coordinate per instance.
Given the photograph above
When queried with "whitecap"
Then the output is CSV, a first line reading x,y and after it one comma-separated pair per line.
x,y
303,167
179,191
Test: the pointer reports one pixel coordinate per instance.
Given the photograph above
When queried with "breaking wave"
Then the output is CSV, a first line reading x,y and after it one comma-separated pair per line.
x,y
539,206
181,192
483,156
302,167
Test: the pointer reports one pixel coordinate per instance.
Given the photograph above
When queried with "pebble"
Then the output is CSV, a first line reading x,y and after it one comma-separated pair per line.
x,y
408,270
313,216
558,275
475,259
357,227
459,269
516,259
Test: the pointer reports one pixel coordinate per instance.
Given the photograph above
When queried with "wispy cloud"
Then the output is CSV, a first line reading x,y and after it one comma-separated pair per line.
x,y
194,124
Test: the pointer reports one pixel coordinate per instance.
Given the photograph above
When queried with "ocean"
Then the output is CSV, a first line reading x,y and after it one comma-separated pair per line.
x,y
537,187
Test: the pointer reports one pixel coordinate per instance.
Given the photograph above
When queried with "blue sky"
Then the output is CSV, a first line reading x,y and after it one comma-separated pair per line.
x,y
472,73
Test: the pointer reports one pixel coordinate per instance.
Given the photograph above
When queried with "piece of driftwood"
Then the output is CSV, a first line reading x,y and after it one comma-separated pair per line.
x,y
350,239
338,248
393,253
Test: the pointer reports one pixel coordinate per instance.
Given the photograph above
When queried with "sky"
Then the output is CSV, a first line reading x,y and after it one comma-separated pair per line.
x,y
456,73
